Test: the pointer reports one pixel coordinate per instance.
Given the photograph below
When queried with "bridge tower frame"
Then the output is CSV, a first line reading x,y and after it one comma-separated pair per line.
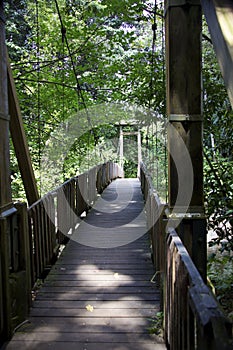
x,y
183,28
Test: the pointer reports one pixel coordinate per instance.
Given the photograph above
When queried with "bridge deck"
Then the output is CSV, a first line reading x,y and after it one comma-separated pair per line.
x,y
99,294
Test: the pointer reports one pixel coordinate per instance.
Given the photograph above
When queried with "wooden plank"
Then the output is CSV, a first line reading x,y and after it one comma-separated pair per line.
x,y
60,345
83,337
52,312
95,261
87,324
71,296
102,304
107,255
219,17
101,265
97,284
115,276
110,289
106,270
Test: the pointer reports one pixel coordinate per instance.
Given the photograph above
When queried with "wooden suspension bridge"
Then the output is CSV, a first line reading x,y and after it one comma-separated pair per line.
x,y
102,290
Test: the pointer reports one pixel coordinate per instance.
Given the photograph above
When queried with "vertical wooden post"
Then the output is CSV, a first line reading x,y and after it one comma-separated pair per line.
x,y
184,109
139,151
25,255
121,148
4,254
6,205
5,183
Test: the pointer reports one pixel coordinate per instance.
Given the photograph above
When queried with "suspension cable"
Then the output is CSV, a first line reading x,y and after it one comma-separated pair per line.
x,y
38,91
164,113
63,31
152,95
153,48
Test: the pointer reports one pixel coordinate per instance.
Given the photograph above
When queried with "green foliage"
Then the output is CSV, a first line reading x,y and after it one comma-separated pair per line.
x,y
108,59
157,324
16,180
220,272
218,144
219,194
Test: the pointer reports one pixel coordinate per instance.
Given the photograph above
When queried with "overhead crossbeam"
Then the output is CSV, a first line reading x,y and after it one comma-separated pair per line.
x,y
219,17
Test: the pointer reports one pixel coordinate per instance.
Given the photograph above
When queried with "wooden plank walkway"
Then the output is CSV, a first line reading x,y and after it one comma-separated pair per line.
x,y
99,295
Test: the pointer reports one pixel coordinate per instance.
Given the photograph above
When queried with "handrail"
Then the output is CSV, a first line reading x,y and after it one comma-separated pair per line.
x,y
192,316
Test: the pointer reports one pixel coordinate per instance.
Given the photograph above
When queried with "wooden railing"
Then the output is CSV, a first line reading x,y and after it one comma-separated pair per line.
x,y
192,316
30,239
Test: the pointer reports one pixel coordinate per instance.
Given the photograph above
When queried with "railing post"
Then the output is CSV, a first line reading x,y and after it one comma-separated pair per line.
x,y
121,148
25,256
6,331
139,151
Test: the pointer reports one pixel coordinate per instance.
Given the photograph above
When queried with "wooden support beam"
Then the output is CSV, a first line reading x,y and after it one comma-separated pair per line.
x,y
121,140
20,142
183,60
184,109
139,152
5,183
5,278
219,17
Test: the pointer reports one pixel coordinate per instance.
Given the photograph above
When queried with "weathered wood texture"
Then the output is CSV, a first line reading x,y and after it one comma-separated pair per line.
x,y
183,22
184,107
219,17
99,298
